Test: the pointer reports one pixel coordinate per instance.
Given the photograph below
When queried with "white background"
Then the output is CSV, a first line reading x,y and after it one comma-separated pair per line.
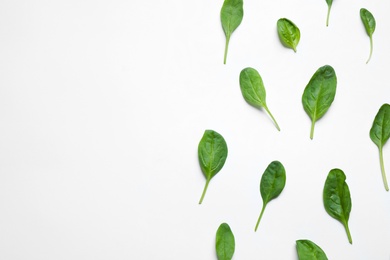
x,y
103,103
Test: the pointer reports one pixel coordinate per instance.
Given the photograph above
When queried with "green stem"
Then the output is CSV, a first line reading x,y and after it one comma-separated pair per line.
x,y
312,128
348,232
226,48
261,214
272,117
371,47
327,17
204,190
383,169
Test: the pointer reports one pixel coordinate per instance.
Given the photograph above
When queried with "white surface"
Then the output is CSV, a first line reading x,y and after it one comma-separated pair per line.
x,y
103,103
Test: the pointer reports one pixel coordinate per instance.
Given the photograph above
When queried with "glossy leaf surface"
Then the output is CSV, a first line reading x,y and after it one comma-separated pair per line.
x,y
272,184
380,133
232,13
319,94
308,250
224,242
337,198
369,24
212,154
253,91
289,33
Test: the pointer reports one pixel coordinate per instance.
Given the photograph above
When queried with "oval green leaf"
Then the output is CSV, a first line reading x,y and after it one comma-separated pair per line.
x,y
380,133
232,13
253,91
337,198
289,33
370,24
272,184
308,250
224,242
212,154
319,94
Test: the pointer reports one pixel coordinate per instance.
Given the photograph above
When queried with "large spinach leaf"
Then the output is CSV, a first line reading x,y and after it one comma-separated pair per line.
x,y
224,242
232,13
308,250
380,133
253,91
319,94
337,198
272,184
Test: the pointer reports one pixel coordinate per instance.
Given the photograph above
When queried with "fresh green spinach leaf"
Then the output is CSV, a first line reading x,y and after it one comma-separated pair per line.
x,y
271,185
212,154
308,250
319,94
329,2
289,33
380,133
337,198
253,91
232,13
224,242
370,24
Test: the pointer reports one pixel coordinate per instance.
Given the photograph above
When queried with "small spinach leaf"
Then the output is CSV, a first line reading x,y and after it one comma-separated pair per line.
x,y
253,91
380,133
232,13
271,185
308,250
337,198
212,153
289,33
370,24
224,242
319,94
329,2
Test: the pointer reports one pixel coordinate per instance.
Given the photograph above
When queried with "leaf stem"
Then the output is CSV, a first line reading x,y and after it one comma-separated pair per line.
x,y
371,47
327,16
383,169
261,214
348,232
272,117
312,128
226,48
204,191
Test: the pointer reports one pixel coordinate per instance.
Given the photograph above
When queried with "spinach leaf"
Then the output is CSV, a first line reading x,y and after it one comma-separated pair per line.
x,y
329,2
369,23
212,153
380,133
337,198
289,33
253,91
232,13
271,185
224,242
308,250
319,94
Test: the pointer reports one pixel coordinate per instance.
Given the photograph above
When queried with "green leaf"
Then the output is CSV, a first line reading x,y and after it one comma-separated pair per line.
x,y
370,24
380,133
271,185
329,2
289,33
319,94
212,154
308,250
337,198
253,91
224,243
232,13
